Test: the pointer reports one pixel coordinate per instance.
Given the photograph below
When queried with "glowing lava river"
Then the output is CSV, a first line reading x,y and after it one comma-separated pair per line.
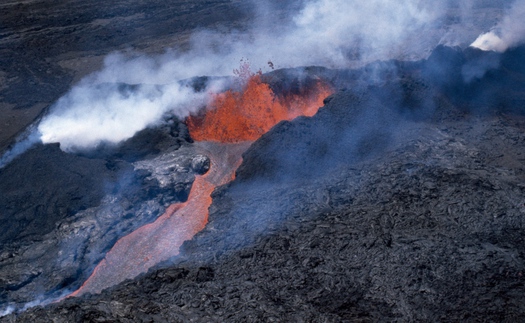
x,y
230,124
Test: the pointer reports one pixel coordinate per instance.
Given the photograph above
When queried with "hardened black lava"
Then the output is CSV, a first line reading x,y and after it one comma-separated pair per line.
x,y
401,200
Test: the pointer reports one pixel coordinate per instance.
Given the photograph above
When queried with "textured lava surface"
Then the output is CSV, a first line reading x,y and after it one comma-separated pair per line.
x,y
159,241
417,215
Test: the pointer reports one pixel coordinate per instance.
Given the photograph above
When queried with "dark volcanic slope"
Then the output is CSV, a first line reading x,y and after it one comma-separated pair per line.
x,y
418,216
61,212
431,231
44,187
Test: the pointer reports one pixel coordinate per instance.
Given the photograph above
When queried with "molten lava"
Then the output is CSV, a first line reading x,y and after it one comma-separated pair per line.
x,y
232,121
160,240
247,115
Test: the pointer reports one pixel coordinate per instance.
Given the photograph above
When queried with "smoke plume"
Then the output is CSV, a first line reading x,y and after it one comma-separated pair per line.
x,y
8,310
508,33
110,112
24,142
331,33
40,301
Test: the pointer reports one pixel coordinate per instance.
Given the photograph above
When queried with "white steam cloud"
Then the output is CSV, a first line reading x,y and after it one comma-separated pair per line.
x,y
331,33
7,311
40,301
324,32
508,33
89,114
24,142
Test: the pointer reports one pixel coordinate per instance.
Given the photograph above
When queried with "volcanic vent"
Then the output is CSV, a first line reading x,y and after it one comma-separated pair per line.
x,y
223,132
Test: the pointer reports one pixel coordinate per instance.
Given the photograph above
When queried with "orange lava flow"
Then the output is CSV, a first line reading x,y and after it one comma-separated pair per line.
x,y
158,241
240,116
231,123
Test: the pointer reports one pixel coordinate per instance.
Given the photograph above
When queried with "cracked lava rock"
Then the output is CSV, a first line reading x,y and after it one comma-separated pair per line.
x,y
399,200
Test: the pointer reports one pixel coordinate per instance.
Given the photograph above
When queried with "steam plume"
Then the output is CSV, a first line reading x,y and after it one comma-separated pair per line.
x,y
331,33
7,311
24,142
89,115
508,33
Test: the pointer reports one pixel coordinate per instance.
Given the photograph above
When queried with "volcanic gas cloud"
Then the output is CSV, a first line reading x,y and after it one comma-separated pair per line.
x,y
223,132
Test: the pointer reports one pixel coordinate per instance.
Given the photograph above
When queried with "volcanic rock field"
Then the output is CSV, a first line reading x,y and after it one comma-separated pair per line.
x,y
401,200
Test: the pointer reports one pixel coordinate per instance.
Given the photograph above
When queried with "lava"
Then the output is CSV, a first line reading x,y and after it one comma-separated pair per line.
x,y
246,115
160,240
232,121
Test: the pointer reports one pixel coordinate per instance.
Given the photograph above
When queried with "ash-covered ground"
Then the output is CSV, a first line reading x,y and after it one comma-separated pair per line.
x,y
402,199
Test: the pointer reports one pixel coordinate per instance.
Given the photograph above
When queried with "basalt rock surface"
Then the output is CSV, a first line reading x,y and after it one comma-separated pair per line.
x,y
61,212
398,201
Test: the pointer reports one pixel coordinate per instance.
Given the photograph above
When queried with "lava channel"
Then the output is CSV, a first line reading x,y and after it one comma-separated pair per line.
x,y
230,124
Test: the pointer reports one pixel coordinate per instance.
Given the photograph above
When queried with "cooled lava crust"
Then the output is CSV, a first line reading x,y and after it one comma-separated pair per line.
x,y
402,199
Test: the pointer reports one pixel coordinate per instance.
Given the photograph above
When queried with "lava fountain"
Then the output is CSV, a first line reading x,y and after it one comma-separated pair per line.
x,y
231,122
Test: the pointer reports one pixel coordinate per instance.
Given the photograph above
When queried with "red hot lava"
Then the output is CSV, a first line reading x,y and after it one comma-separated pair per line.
x,y
231,122
247,115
